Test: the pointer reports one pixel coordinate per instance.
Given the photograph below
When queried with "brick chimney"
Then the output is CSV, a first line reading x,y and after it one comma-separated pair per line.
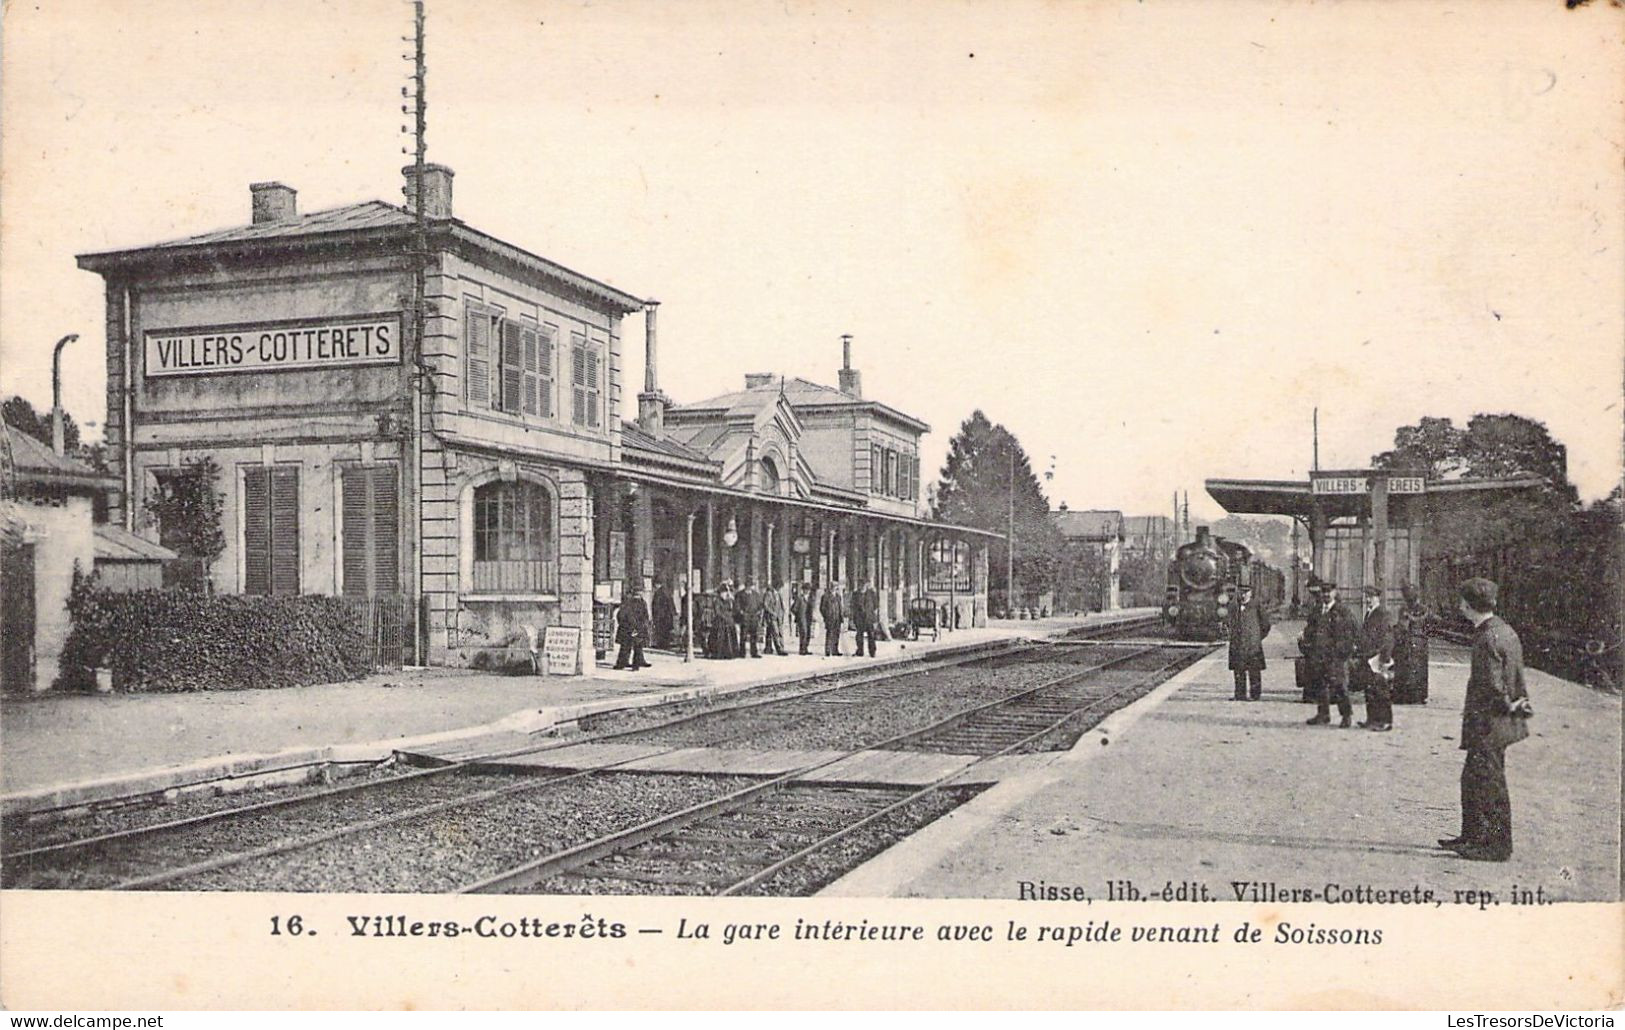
x,y
272,202
759,380
651,402
436,190
851,379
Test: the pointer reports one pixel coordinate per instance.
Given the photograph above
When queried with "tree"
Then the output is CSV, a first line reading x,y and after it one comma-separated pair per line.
x,y
1432,447
975,489
20,415
186,505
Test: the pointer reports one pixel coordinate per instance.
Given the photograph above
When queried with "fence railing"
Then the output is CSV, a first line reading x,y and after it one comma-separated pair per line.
x,y
516,577
391,624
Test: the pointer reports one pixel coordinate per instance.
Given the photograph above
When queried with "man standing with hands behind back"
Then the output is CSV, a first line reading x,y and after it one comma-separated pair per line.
x,y
1495,715
1377,662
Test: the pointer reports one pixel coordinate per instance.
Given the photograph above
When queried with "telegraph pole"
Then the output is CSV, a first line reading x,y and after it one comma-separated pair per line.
x,y
417,376
1010,547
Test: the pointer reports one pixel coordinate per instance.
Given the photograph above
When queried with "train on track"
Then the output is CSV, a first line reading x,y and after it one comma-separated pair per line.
x,y
1203,580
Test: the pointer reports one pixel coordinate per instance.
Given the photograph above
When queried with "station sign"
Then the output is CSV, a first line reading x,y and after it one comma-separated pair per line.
x,y
274,346
1361,484
561,651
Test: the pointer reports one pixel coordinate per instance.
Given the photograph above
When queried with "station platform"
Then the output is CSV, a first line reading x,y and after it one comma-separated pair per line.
x,y
1195,788
59,750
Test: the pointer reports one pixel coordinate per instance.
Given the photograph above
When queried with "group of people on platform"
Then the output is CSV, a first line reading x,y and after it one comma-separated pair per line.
x,y
749,620
1385,656
1389,658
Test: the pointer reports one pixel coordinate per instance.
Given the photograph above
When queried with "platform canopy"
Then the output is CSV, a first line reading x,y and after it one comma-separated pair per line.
x,y
1347,493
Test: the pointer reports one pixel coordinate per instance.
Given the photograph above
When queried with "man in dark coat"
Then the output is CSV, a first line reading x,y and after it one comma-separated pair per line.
x,y
1376,663
773,620
633,631
802,610
663,612
1495,688
1249,625
833,608
750,618
1333,638
722,623
1411,650
865,616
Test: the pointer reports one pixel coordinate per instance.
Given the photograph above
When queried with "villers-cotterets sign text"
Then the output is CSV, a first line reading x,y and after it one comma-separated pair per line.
x,y
274,346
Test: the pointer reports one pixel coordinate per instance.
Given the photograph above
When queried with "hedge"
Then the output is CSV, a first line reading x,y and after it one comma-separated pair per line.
x,y
160,640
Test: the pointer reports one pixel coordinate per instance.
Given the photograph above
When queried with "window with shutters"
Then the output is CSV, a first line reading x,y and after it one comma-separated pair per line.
x,y
482,344
270,530
586,376
538,373
371,528
891,473
877,470
514,551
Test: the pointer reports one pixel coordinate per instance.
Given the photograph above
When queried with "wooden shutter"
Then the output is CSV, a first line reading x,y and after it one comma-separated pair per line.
x,y
578,374
548,338
256,531
386,530
371,531
513,365
357,533
284,531
594,390
531,341
477,353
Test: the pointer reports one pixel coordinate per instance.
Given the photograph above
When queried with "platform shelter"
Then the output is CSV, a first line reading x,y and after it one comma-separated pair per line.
x,y
1366,526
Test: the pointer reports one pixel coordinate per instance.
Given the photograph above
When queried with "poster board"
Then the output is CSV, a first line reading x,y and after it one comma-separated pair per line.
x,y
561,651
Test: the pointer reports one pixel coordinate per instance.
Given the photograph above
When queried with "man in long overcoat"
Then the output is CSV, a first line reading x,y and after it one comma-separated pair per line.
x,y
802,609
750,618
865,616
632,632
663,612
1411,650
1376,662
1249,625
1333,638
773,620
723,631
1495,690
832,606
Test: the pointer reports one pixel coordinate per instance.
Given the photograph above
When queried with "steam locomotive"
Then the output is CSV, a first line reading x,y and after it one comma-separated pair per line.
x,y
1203,580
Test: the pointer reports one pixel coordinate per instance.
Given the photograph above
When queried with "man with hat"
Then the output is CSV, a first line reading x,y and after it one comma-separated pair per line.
x,y
1332,638
632,632
1411,649
1494,715
1376,667
1248,628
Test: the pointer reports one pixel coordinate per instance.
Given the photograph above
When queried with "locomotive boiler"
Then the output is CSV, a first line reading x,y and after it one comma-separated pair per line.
x,y
1203,583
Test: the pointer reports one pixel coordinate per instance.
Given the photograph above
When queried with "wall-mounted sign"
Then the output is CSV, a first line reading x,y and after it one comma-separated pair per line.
x,y
1362,485
561,651
274,346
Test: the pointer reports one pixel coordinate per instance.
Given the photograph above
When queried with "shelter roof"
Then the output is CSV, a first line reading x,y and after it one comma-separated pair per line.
x,y
35,464
1089,525
115,543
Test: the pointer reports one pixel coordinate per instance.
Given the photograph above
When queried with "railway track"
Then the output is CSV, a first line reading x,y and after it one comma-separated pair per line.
x,y
754,839
125,858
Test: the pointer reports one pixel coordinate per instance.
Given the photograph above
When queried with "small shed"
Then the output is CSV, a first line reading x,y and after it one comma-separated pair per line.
x,y
124,561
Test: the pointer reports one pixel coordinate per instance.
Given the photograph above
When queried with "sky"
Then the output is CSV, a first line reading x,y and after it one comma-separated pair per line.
x,y
1151,239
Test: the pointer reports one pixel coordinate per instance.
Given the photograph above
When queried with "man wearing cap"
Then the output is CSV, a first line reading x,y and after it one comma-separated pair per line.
x,y
1333,638
632,632
1495,688
1377,662
1248,628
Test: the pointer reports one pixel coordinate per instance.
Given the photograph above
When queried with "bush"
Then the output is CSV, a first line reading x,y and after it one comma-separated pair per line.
x,y
158,640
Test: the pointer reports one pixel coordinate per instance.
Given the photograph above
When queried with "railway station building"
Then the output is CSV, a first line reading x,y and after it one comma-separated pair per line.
x,y
482,481
1366,526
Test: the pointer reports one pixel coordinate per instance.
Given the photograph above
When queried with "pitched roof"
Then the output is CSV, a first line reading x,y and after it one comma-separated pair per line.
x,y
114,543
370,218
34,463
800,393
1089,525
635,439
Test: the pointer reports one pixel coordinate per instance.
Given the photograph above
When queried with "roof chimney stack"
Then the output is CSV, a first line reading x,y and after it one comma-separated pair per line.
x,y
651,402
272,202
436,190
851,378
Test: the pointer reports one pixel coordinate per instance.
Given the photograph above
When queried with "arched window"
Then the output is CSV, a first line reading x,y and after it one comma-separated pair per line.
x,y
770,476
514,548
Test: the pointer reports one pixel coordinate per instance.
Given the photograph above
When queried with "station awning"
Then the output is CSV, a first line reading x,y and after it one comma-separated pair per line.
x,y
1298,499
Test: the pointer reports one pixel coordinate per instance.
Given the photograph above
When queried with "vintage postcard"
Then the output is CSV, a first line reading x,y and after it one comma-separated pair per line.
x,y
533,504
